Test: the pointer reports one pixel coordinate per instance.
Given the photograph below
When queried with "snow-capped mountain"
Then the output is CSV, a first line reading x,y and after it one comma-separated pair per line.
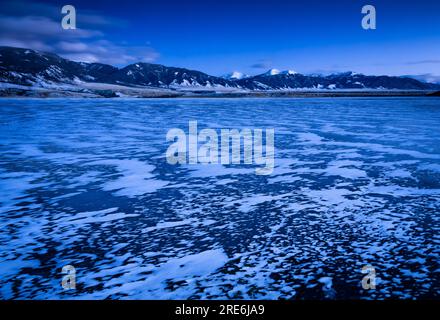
x,y
427,77
30,68
156,75
274,72
271,72
291,80
34,68
288,72
235,75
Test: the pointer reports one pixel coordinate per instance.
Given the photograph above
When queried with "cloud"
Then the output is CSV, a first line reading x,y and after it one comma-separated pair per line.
x,y
262,64
432,61
39,27
72,46
106,52
85,18
31,44
31,27
16,8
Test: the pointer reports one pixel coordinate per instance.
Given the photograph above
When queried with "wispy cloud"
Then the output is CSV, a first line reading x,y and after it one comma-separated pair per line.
x,y
262,64
42,28
38,27
106,52
432,61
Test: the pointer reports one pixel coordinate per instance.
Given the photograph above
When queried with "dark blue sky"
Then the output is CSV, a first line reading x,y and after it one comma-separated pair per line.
x,y
221,36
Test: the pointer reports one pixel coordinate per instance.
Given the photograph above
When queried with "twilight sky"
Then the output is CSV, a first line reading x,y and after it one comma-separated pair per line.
x,y
249,36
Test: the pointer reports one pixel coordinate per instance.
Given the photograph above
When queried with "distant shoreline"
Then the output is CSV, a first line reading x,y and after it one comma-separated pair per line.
x,y
193,94
321,94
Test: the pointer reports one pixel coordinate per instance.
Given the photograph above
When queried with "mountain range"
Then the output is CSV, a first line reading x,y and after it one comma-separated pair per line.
x,y
26,69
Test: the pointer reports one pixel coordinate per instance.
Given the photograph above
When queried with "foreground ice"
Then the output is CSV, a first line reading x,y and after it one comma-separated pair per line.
x,y
86,183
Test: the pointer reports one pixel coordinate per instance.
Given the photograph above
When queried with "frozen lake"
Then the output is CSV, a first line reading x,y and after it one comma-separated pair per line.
x,y
86,183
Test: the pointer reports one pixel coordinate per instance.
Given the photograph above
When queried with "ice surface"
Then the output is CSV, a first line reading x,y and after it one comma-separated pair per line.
x,y
85,182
